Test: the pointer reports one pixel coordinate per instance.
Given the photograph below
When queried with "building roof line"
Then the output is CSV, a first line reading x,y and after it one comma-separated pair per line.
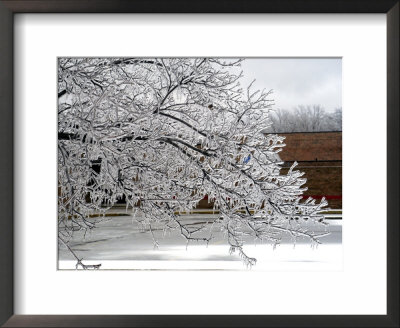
x,y
309,132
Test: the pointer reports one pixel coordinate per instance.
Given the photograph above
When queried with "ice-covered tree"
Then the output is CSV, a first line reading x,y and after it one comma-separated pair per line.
x,y
163,133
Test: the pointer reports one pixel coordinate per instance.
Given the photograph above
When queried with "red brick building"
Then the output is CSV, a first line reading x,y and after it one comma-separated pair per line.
x,y
319,155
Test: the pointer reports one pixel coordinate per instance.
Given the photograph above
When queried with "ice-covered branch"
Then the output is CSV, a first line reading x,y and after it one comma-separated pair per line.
x,y
162,134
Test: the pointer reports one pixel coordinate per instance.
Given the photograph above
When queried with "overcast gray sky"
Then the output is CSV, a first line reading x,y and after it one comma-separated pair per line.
x,y
305,81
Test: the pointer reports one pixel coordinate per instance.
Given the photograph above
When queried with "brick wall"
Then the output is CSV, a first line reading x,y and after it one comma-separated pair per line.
x,y
319,156
311,146
323,179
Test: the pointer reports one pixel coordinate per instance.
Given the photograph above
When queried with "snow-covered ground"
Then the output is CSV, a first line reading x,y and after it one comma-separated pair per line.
x,y
118,242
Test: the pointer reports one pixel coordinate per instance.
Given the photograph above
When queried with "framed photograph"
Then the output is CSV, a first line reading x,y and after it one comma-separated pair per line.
x,y
189,177
165,162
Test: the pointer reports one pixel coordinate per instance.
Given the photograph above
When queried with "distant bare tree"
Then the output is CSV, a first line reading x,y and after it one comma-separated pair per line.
x,y
305,119
335,120
282,121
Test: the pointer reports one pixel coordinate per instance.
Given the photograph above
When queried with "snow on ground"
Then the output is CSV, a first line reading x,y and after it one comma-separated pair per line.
x,y
118,242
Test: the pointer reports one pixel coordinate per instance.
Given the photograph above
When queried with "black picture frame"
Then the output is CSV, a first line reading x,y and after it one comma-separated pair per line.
x,y
10,7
